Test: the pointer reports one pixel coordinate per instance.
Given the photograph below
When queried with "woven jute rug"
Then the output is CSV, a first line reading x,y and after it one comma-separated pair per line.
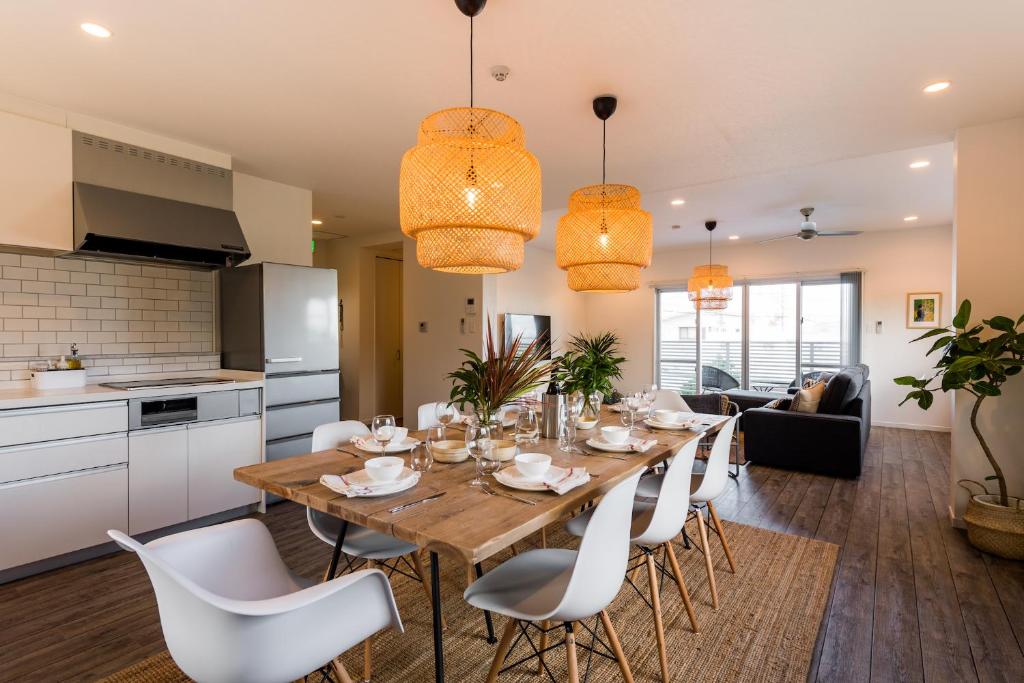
x,y
764,630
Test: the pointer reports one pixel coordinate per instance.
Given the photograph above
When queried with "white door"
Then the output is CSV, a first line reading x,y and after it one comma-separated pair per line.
x,y
157,478
215,449
387,347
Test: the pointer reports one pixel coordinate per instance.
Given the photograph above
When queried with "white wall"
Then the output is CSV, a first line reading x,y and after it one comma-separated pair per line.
x,y
894,263
537,288
275,218
989,240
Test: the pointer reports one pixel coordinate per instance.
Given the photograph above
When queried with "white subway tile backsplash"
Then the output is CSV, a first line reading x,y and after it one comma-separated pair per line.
x,y
126,319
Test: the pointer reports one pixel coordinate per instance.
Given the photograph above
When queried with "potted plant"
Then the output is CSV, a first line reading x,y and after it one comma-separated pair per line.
x,y
978,359
589,366
500,377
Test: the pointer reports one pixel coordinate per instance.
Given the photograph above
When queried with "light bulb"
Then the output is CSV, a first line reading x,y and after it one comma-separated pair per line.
x,y
603,239
472,194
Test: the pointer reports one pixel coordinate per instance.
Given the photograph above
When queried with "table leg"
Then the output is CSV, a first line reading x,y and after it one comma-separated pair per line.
x,y
337,550
435,590
487,615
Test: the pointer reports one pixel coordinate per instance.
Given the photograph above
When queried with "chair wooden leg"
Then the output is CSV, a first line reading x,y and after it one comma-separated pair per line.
x,y
659,627
677,572
570,655
708,564
503,646
545,625
721,534
417,563
339,671
613,640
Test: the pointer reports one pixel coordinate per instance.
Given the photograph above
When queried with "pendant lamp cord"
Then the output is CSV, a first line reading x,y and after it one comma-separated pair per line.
x,y
471,62
604,149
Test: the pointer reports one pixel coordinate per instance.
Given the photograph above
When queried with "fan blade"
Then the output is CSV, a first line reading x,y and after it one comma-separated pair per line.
x,y
783,237
841,233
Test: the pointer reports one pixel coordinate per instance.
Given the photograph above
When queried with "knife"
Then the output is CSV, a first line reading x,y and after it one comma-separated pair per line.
x,y
416,502
358,455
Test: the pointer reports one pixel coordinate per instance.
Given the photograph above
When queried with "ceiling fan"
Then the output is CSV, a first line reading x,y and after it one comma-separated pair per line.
x,y
809,230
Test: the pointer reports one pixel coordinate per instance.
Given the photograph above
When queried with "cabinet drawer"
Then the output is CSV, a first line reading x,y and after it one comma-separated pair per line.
x,y
302,388
300,419
40,518
32,425
55,457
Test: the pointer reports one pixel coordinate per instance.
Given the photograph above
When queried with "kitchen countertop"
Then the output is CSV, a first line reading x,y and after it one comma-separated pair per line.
x,y
28,397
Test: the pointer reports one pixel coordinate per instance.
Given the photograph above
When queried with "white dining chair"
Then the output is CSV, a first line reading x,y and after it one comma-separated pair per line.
x,y
231,611
426,415
706,487
361,543
561,585
666,399
654,526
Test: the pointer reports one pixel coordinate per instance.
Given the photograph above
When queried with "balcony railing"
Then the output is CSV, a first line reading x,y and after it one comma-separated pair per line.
x,y
772,363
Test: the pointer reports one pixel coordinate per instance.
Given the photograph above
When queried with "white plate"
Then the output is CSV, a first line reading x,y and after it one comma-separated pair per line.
x,y
394,447
688,424
512,478
625,447
406,480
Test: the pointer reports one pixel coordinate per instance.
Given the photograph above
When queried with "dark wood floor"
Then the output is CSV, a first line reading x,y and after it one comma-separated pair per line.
x,y
911,599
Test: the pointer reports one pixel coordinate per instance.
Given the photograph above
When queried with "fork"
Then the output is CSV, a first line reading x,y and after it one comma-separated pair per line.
x,y
486,488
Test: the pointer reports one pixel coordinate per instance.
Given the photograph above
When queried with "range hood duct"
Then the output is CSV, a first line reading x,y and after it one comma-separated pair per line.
x,y
140,204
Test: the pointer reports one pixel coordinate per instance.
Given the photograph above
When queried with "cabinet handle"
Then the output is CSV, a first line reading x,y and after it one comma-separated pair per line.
x,y
287,359
62,442
71,407
64,475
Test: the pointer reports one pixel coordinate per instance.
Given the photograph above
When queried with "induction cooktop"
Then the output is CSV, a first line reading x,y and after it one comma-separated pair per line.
x,y
167,382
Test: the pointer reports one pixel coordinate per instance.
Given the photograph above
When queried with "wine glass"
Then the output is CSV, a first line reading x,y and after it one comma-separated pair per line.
x,y
481,448
383,429
445,413
421,457
632,402
650,392
527,426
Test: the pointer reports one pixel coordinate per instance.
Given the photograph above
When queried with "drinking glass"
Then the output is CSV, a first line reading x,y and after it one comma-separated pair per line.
x,y
383,429
481,448
567,425
445,414
421,457
434,434
628,416
527,426
650,392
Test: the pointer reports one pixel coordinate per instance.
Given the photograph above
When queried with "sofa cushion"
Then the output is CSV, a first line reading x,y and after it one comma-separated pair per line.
x,y
840,390
807,400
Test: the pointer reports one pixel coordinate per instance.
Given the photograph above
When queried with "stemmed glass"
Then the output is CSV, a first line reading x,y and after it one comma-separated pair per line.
x,y
567,428
383,429
628,416
650,392
481,448
445,413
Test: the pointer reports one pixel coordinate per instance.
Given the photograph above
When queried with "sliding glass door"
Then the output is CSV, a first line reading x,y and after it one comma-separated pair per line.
x,y
770,335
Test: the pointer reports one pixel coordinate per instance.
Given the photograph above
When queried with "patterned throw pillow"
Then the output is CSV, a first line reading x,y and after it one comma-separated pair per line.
x,y
807,400
778,404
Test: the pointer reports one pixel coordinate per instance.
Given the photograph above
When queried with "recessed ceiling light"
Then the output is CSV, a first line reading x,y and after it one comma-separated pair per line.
x,y
937,86
676,227
910,219
677,202
317,221
924,163
734,237
96,30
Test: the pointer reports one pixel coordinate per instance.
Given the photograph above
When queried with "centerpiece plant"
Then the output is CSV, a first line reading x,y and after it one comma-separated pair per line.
x,y
589,366
505,373
978,359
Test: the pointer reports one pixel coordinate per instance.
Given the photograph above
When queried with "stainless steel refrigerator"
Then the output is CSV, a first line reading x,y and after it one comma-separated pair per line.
x,y
283,320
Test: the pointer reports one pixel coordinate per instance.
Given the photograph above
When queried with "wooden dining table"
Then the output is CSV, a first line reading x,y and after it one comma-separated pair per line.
x,y
465,524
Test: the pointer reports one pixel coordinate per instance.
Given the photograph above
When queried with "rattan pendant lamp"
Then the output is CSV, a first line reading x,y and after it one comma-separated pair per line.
x,y
710,286
469,191
605,239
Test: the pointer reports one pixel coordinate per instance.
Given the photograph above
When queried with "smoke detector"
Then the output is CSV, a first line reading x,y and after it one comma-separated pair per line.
x,y
500,72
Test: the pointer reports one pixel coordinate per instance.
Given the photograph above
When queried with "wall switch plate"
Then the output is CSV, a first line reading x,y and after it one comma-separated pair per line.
x,y
471,306
878,327
462,326
474,326
423,327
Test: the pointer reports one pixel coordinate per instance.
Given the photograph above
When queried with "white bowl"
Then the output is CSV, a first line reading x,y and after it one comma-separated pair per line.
x,y
667,416
533,466
384,469
614,434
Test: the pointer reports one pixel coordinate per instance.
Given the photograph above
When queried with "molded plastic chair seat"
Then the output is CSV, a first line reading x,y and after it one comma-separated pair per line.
x,y
642,513
650,486
528,587
359,541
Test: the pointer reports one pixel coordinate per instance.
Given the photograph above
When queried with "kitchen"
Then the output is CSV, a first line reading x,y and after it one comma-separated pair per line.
x,y
134,377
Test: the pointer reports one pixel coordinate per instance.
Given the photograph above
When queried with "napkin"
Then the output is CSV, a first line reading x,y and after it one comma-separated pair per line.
x,y
369,444
642,446
576,476
339,484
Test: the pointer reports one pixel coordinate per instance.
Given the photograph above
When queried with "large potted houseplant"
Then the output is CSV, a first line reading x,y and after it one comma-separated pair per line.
x,y
505,373
589,366
978,359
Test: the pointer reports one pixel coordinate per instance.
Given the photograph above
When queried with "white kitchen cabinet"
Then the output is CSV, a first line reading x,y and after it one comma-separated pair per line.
x,y
36,425
215,449
157,478
35,184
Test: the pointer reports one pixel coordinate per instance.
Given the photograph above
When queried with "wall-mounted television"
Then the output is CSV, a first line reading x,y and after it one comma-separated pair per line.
x,y
531,327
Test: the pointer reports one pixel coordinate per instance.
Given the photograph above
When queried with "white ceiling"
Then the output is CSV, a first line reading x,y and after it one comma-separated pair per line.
x,y
328,93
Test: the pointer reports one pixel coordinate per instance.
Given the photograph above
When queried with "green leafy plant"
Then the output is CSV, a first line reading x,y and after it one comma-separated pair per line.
x,y
590,364
501,376
977,359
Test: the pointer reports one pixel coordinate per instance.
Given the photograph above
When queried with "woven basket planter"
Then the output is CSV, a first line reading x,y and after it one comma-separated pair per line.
x,y
994,528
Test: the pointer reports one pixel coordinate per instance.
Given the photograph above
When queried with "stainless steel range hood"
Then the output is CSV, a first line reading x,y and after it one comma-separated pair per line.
x,y
141,204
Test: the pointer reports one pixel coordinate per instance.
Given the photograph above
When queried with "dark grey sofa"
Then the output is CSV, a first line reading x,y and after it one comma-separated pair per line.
x,y
830,442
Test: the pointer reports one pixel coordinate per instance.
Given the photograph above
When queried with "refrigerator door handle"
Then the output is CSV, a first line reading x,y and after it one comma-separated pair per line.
x,y
288,359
